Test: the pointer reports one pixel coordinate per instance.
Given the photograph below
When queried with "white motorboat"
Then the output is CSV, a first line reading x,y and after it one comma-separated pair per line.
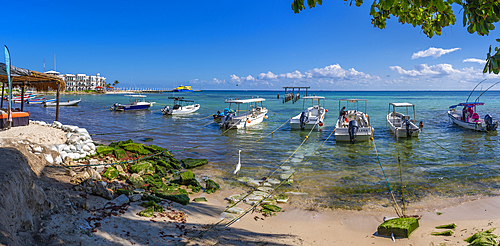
x,y
353,125
137,102
255,113
400,123
311,116
61,103
181,106
469,118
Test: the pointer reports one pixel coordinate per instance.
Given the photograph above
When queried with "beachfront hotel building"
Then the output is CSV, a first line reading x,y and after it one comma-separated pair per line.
x,y
81,81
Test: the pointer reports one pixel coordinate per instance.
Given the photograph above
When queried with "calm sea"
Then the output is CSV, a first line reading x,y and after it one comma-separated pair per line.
x,y
445,161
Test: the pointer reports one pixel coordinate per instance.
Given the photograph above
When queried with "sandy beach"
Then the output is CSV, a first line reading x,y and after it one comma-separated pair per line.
x,y
41,207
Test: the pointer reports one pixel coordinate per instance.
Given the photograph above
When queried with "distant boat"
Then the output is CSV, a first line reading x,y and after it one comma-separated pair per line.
x,y
255,114
310,116
68,103
183,88
181,106
469,118
137,102
353,125
400,123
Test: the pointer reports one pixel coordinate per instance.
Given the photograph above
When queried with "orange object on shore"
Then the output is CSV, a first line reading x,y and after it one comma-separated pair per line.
x,y
18,118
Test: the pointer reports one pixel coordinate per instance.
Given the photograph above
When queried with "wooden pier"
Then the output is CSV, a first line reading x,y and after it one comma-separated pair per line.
x,y
293,96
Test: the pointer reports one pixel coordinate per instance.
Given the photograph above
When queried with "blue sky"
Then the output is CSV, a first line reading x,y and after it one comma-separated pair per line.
x,y
240,45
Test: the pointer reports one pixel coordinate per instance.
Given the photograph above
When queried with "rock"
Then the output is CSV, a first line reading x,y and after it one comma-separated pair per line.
x,y
211,186
54,148
399,227
272,208
226,215
104,150
179,198
78,147
91,145
70,173
49,158
136,180
235,198
186,177
200,199
99,189
235,210
37,149
58,160
86,148
142,167
253,183
120,153
135,197
81,224
121,200
111,173
148,212
79,178
192,163
93,174
73,148
136,148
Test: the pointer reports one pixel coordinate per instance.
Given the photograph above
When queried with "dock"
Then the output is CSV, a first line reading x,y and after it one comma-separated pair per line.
x,y
293,96
141,90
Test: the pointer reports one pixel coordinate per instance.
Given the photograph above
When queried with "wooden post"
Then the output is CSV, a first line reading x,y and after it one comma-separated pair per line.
x,y
22,97
3,87
57,101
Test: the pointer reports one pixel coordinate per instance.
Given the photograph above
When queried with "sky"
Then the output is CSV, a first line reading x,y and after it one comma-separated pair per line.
x,y
240,45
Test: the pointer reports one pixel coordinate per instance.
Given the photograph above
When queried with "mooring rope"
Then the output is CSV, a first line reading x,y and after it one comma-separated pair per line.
x,y
396,206
274,130
256,188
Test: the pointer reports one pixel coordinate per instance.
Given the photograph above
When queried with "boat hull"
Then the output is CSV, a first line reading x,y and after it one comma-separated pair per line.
x,y
364,132
455,117
121,107
183,110
68,103
398,127
246,120
312,121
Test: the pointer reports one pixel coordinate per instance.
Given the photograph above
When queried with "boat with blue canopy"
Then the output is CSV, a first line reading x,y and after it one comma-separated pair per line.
x,y
469,118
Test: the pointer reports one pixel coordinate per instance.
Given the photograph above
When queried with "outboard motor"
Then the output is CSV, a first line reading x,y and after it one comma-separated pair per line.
x,y
227,120
353,129
490,124
409,131
304,117
166,110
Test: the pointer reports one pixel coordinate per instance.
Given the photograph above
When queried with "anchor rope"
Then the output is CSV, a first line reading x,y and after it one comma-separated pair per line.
x,y
396,206
273,131
261,184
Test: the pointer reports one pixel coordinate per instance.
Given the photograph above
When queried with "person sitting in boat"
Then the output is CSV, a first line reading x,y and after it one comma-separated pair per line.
x,y
342,112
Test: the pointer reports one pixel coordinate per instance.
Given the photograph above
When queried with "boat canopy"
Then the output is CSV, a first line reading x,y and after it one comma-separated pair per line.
x,y
313,97
353,100
405,104
467,104
135,95
245,100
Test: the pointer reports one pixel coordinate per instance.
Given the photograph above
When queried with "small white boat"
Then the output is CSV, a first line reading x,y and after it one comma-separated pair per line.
x,y
61,103
310,116
181,106
255,113
40,101
353,125
137,102
400,123
469,118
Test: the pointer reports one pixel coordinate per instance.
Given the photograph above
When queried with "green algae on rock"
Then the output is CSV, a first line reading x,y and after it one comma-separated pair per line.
x,y
149,212
178,198
147,197
120,153
449,226
104,150
483,238
192,163
443,233
200,199
211,186
143,167
400,227
156,207
111,173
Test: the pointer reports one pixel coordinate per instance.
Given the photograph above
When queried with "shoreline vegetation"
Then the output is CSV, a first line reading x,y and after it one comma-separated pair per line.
x,y
161,200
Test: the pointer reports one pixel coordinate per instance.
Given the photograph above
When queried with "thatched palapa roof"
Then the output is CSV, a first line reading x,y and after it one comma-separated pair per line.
x,y
37,80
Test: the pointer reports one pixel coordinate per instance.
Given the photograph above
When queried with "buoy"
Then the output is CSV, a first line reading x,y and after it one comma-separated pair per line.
x,y
320,124
371,138
307,137
373,130
326,110
248,121
265,116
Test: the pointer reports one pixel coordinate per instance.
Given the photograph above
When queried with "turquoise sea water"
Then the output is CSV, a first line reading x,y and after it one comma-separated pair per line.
x,y
445,161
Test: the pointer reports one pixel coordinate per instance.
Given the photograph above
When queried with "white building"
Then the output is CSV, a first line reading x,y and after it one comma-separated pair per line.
x,y
80,81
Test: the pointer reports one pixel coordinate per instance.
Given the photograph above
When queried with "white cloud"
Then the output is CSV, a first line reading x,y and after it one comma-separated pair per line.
x,y
480,61
292,75
249,78
235,78
268,75
444,70
335,71
434,52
